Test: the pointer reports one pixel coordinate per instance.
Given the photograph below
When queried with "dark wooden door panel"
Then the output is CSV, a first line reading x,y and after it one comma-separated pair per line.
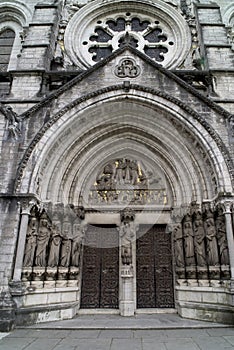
x,y
163,270
154,268
100,282
145,272
109,297
91,278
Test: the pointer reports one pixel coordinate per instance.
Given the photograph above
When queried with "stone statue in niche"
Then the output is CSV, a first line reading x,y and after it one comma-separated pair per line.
x,y
13,120
66,245
127,234
199,240
42,242
53,259
31,242
178,244
77,239
212,249
119,178
188,241
222,240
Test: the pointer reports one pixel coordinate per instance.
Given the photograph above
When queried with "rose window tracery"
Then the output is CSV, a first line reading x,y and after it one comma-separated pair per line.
x,y
100,27
146,35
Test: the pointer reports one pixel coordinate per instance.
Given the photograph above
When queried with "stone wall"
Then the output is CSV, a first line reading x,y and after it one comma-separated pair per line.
x,y
195,90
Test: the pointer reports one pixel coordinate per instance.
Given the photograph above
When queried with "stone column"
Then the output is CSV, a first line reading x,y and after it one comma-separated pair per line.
x,y
26,208
229,230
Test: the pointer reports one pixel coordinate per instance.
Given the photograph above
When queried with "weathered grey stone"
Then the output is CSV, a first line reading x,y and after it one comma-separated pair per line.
x,y
112,110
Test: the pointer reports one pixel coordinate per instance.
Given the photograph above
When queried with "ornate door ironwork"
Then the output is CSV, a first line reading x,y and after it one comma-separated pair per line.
x,y
100,281
154,268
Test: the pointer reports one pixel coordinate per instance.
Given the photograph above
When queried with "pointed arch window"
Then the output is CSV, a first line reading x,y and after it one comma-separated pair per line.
x,y
7,37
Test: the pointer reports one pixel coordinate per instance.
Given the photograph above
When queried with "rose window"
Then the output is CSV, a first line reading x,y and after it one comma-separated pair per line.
x,y
102,27
145,35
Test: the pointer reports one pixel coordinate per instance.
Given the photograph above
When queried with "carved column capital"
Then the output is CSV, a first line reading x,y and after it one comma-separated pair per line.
x,y
27,203
226,203
227,206
127,215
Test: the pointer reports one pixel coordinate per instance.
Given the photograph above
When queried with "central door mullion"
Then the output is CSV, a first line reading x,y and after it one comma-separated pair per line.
x,y
155,267
100,277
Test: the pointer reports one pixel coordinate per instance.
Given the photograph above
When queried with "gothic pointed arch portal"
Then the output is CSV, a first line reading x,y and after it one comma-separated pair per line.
x,y
128,162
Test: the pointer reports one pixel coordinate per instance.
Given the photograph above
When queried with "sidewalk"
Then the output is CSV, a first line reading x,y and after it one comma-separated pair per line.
x,y
112,332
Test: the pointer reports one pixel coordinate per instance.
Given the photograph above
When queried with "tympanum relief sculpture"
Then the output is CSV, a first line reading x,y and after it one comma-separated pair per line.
x,y
124,181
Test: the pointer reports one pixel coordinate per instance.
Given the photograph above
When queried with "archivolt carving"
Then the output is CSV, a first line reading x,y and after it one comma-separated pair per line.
x,y
136,87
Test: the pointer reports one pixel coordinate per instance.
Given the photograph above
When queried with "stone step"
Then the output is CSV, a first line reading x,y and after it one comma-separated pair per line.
x,y
137,322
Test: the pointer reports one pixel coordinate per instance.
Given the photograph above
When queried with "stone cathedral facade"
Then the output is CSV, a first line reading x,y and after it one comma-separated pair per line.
x,y
117,153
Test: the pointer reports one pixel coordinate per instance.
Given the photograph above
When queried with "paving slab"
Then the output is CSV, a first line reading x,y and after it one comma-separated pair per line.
x,y
126,344
212,343
229,338
41,344
150,333
15,343
84,334
115,333
182,344
112,332
97,344
150,344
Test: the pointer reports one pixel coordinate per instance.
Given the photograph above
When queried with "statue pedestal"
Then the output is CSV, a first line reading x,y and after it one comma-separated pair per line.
x,y
26,275
214,272
225,272
191,272
38,277
202,273
127,305
51,274
62,277
73,277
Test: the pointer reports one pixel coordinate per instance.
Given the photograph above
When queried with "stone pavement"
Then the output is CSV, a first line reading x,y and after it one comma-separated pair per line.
x,y
112,332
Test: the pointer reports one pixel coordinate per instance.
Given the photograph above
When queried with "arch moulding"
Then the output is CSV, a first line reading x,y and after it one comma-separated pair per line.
x,y
84,135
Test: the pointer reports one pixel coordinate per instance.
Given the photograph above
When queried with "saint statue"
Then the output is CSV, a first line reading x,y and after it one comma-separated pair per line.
x,y
42,243
31,241
54,247
199,240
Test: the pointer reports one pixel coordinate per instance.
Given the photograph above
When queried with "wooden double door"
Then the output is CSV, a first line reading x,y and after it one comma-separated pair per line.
x,y
100,277
154,268
100,272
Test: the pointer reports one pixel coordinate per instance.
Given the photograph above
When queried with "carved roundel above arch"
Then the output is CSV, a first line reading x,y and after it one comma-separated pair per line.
x,y
100,28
